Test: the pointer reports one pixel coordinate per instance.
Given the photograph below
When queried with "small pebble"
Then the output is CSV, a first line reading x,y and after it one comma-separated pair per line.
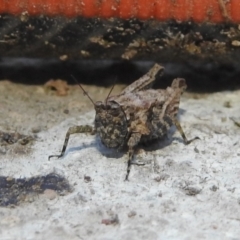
x,y
87,178
236,43
132,214
192,190
50,194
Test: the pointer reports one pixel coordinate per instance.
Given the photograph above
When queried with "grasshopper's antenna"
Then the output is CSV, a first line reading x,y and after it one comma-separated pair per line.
x,y
84,92
111,90
109,94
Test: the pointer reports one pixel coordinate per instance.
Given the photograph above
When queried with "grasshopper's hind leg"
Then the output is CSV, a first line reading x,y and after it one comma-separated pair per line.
x,y
179,128
73,130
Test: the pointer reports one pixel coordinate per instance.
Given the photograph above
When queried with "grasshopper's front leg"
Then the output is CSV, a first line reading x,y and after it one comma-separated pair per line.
x,y
132,143
73,130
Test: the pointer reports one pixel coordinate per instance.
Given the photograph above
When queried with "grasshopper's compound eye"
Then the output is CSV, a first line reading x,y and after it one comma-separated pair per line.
x,y
114,109
99,105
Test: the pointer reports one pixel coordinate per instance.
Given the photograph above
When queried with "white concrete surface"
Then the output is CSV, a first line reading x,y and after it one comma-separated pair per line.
x,y
182,192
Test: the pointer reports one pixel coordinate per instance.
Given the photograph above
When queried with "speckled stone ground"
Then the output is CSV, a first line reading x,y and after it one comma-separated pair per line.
x,y
182,192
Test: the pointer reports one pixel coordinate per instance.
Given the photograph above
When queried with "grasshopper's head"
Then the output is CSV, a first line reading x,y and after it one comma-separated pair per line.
x,y
110,121
111,124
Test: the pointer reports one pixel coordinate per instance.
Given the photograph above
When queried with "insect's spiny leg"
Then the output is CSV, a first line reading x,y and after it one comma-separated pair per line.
x,y
130,158
132,142
179,128
73,130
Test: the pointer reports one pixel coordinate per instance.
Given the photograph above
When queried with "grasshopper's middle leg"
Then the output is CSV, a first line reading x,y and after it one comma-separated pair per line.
x,y
179,128
73,130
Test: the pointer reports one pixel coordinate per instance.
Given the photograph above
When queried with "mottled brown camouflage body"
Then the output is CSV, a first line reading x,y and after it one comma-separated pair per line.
x,y
138,114
111,124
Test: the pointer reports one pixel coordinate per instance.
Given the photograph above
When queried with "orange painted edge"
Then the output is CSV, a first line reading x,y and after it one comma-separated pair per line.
x,y
180,10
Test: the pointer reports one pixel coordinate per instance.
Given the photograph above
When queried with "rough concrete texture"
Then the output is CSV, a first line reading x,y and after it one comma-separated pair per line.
x,y
182,192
